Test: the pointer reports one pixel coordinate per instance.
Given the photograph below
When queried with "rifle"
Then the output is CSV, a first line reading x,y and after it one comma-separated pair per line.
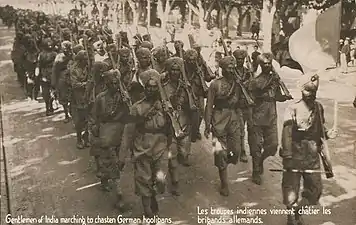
x,y
199,69
238,79
282,85
85,43
324,150
122,90
179,131
190,92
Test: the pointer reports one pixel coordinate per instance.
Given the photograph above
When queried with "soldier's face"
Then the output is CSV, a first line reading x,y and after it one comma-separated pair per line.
x,y
174,73
124,57
229,70
240,61
308,96
113,84
145,61
266,65
151,90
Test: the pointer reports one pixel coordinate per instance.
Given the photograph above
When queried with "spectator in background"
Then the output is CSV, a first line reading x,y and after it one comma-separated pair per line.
x,y
254,57
353,52
345,51
255,30
341,43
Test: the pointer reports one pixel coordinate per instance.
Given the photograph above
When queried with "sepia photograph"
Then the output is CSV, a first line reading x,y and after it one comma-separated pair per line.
x,y
183,112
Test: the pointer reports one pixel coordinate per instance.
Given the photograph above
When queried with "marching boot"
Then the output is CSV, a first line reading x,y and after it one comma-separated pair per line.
x,y
120,204
224,189
174,179
256,173
146,204
80,144
66,114
97,163
86,139
154,205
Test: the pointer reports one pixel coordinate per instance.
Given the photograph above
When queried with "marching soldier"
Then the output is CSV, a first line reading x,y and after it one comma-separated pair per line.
x,y
79,79
160,55
45,65
147,134
223,119
197,78
302,139
245,75
176,92
107,125
266,91
61,77
30,62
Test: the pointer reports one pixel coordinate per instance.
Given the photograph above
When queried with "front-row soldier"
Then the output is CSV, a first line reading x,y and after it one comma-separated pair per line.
x,y
223,119
107,125
303,130
147,135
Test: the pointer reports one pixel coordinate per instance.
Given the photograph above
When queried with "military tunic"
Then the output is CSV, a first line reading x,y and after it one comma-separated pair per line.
x,y
224,116
266,92
106,125
61,78
301,142
79,102
147,134
46,61
179,148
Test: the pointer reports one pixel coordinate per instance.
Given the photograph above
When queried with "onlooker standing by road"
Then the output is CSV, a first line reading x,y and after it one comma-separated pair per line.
x,y
345,51
255,30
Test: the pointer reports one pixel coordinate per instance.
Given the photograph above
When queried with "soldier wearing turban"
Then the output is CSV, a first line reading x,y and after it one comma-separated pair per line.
x,y
79,75
106,125
61,77
197,76
246,75
176,92
266,92
160,55
45,64
303,135
146,137
223,119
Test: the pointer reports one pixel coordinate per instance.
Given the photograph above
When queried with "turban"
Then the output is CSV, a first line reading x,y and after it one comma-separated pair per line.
x,y
265,57
309,82
226,62
143,52
178,43
146,44
159,50
111,75
100,67
239,53
66,45
124,51
174,62
78,48
81,56
111,48
148,75
191,54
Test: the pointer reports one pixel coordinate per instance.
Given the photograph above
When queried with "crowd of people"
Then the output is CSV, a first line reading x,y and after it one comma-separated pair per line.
x,y
145,102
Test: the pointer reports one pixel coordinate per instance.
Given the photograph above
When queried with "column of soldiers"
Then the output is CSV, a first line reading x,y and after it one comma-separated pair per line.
x,y
147,103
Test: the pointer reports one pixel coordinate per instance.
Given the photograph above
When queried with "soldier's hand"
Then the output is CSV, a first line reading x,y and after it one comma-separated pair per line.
x,y
332,133
287,163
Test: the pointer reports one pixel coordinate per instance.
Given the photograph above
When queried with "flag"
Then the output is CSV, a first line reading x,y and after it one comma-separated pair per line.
x,y
315,45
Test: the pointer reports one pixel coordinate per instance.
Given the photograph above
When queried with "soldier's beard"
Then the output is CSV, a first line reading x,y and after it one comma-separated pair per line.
x,y
310,99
